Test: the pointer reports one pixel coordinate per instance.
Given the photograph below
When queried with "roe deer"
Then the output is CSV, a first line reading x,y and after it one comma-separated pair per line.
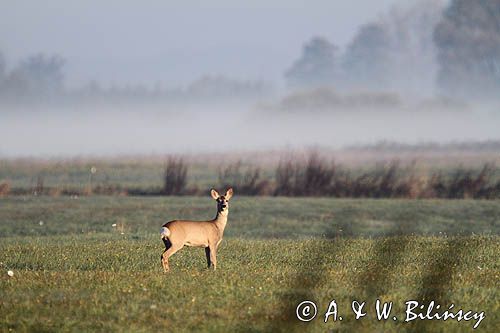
x,y
208,234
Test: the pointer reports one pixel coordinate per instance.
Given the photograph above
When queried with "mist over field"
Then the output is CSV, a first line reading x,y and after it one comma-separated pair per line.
x,y
202,79
237,128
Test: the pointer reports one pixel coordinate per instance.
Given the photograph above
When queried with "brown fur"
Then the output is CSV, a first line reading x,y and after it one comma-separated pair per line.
x,y
207,234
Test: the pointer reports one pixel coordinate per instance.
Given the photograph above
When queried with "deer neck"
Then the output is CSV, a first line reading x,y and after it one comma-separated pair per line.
x,y
221,220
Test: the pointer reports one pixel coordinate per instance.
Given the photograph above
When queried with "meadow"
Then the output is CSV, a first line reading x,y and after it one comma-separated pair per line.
x,y
75,271
205,170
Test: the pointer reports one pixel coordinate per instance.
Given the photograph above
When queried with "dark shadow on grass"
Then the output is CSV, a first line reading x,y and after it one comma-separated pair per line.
x,y
313,266
388,252
436,283
372,282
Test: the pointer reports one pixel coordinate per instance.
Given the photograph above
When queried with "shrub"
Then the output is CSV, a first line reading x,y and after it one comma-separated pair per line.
x,y
175,176
314,177
4,189
245,182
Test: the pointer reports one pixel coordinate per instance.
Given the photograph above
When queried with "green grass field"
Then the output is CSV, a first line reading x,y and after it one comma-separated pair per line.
x,y
76,272
74,173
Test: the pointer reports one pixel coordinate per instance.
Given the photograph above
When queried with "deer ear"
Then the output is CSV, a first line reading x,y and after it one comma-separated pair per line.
x,y
229,194
214,194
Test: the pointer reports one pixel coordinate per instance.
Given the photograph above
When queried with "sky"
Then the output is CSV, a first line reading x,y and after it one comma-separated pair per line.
x,y
175,42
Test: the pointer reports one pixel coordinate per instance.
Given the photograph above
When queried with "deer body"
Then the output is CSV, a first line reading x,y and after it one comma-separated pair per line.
x,y
208,234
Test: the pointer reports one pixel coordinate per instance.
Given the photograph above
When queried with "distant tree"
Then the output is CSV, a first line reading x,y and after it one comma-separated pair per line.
x,y
209,87
468,44
413,52
316,66
367,58
397,52
36,76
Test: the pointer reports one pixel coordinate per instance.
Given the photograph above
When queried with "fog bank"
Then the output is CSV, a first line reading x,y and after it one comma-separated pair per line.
x,y
146,129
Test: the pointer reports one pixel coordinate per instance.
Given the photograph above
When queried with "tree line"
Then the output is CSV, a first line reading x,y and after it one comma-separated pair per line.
x,y
453,49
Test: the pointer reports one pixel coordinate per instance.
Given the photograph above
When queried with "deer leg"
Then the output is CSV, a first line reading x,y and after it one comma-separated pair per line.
x,y
213,256
168,245
207,253
167,254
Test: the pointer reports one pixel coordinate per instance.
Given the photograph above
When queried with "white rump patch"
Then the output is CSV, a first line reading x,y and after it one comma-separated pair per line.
x,y
164,232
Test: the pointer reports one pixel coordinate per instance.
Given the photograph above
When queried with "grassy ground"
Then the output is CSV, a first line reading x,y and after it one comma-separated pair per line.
x,y
75,272
250,217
